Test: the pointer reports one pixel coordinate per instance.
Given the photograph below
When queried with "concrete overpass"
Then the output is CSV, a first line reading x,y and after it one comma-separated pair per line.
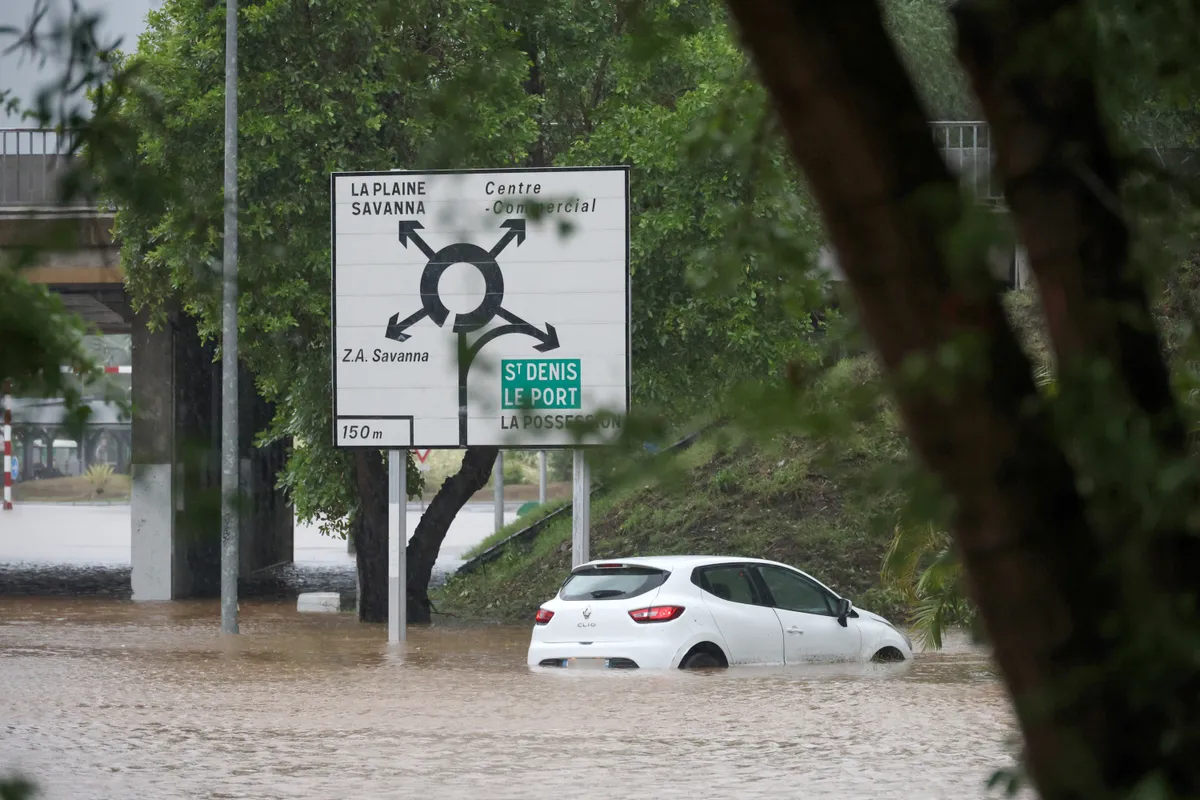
x,y
176,387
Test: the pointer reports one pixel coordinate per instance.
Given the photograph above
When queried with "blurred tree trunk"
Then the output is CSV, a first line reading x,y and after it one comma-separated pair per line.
x,y
1097,720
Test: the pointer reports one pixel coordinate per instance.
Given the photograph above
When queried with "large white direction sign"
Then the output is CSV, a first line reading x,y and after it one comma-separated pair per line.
x,y
480,307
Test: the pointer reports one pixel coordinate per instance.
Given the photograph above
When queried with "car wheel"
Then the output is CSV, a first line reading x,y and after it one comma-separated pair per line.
x,y
888,655
700,660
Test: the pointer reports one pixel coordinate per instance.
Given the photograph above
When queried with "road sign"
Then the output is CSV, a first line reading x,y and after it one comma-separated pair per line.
x,y
480,307
422,455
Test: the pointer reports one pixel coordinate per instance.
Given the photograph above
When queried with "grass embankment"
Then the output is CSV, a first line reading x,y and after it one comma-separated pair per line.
x,y
823,506
72,489
520,523
517,493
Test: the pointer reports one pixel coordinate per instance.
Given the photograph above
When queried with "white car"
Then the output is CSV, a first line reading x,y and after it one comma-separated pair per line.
x,y
704,611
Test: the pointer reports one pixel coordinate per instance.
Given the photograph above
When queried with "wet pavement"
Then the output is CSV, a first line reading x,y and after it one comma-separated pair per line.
x,y
107,699
84,549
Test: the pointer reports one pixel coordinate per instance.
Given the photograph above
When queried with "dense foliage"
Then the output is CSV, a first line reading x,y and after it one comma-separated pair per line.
x,y
322,88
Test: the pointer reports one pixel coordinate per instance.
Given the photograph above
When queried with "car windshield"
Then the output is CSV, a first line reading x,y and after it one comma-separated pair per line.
x,y
611,583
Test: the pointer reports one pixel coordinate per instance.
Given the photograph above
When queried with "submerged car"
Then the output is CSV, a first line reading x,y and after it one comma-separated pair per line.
x,y
704,611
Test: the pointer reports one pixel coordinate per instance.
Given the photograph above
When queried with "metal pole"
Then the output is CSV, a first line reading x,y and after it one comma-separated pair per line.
x,y
542,477
229,342
498,489
581,509
397,546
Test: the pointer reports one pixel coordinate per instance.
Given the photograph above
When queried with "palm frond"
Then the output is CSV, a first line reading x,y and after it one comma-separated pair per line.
x,y
922,566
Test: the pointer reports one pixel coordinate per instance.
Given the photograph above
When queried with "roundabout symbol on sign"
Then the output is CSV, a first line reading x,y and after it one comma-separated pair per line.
x,y
490,307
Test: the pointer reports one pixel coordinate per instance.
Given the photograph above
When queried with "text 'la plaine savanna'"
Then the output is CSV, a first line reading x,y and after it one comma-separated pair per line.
x,y
407,198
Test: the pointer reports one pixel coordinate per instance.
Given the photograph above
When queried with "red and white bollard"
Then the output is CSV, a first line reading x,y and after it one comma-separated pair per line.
x,y
109,370
7,449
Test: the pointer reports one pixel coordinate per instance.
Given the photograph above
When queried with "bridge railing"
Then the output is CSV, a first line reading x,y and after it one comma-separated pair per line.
x,y
967,148
33,162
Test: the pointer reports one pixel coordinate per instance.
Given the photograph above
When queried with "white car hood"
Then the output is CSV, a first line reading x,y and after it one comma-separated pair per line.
x,y
871,615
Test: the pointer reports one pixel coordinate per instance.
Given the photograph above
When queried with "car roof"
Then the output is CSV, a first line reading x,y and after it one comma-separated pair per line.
x,y
675,562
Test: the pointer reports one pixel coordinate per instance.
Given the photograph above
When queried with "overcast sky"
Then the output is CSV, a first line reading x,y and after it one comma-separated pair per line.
x,y
121,18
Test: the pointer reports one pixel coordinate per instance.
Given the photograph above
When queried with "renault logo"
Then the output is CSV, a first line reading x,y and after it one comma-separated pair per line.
x,y
587,612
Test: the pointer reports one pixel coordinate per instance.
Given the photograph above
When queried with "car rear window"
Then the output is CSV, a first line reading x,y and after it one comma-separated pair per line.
x,y
611,583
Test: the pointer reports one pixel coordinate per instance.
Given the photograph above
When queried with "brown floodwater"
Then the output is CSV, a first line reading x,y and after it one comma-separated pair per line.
x,y
106,699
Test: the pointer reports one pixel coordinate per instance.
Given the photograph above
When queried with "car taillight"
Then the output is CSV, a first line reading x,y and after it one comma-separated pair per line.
x,y
656,613
543,616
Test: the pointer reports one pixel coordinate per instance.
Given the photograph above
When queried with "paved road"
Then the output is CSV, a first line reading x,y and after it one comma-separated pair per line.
x,y
99,535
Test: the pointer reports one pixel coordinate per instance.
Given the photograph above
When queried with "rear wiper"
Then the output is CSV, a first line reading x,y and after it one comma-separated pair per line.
x,y
599,593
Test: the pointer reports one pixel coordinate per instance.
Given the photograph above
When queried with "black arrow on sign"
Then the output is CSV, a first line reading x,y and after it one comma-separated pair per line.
x,y
408,230
548,337
396,328
466,356
516,230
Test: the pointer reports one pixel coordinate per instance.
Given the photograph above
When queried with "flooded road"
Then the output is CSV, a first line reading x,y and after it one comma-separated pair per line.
x,y
106,699
85,549
101,535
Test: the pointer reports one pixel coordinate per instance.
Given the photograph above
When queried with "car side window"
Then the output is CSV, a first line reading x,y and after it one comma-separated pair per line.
x,y
792,592
730,582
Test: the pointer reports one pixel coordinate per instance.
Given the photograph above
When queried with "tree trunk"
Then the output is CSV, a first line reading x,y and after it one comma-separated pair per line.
x,y
1041,574
426,541
1063,187
369,529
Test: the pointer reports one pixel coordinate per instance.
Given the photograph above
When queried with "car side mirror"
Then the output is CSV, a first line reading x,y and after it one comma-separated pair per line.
x,y
843,611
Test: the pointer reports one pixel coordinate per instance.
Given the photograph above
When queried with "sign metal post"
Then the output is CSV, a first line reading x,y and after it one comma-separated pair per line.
x,y
581,509
397,546
542,477
498,491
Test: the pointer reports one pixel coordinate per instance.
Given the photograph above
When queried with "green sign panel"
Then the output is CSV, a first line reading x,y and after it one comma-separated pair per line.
x,y
540,383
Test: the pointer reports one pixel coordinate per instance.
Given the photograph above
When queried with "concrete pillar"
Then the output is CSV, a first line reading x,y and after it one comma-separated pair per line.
x,y
175,536
152,469
176,474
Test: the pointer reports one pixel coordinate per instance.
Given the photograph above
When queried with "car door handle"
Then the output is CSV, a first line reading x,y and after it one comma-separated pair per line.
x,y
795,630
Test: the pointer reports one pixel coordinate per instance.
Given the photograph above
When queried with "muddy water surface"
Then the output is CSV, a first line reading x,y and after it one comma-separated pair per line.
x,y
106,699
